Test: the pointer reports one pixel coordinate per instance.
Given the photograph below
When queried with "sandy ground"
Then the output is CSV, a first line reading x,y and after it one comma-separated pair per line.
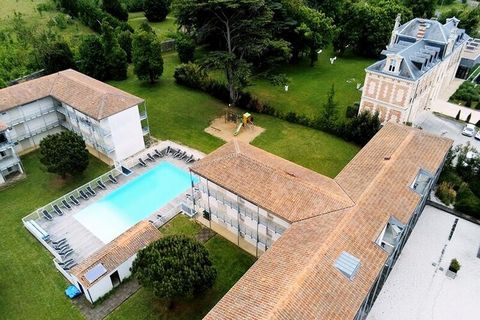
x,y
224,131
418,288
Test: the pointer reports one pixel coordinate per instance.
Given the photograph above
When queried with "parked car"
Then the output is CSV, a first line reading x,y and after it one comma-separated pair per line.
x,y
469,130
477,136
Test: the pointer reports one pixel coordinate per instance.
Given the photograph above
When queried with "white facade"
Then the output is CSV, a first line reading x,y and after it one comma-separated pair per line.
x,y
113,138
242,222
10,163
105,284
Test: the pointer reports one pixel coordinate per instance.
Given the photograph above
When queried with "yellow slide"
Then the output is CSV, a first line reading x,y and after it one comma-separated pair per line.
x,y
238,129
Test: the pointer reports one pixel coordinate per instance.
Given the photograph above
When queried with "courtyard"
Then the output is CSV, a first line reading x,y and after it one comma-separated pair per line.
x,y
418,287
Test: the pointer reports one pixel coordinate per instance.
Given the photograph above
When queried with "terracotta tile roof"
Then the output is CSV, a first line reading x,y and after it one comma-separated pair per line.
x,y
89,96
286,189
3,126
118,251
296,277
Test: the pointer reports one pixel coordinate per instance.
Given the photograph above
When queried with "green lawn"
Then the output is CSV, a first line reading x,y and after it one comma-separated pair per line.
x,y
162,29
229,260
28,8
309,86
30,286
181,115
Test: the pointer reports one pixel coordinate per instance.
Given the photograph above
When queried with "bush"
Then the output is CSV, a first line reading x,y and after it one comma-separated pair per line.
x,y
352,111
446,193
454,265
467,202
116,9
134,5
156,10
191,75
185,47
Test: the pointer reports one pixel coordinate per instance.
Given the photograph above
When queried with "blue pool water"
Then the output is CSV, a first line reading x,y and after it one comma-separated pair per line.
x,y
116,212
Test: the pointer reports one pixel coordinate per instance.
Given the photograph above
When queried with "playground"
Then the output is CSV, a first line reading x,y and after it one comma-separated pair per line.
x,y
234,125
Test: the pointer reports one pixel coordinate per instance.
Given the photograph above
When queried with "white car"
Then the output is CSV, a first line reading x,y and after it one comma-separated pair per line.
x,y
469,130
477,136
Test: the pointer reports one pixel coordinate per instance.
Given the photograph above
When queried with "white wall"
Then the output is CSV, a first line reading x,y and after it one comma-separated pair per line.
x,y
127,134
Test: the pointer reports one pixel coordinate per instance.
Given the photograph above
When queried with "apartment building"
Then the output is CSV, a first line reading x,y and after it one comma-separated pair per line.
x,y
112,122
330,243
420,61
10,164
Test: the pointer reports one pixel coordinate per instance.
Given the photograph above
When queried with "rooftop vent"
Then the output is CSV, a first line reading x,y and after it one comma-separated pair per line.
x,y
95,273
347,264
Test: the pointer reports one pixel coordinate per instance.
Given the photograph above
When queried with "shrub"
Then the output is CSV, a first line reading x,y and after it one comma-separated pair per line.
x,y
134,5
156,10
352,111
446,193
116,9
191,75
185,47
467,202
454,265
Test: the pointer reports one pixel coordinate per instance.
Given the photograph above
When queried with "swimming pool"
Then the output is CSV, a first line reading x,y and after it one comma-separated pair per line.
x,y
116,212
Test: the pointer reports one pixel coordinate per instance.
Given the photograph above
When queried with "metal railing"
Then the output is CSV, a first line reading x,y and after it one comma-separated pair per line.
x,y
92,183
32,133
31,116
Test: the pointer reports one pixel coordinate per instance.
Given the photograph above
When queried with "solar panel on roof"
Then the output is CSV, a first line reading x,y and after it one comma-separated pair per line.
x,y
347,264
95,273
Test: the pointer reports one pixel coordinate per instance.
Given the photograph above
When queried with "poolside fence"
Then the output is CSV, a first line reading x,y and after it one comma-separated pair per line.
x,y
76,193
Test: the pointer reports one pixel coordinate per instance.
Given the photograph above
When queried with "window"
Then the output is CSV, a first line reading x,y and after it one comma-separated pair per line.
x,y
390,235
422,182
347,264
393,64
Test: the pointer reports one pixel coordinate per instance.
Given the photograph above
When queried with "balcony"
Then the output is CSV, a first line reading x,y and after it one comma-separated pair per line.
x,y
29,117
37,131
146,130
143,115
5,145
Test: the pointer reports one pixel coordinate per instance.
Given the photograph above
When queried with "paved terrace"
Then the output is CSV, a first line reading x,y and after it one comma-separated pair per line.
x,y
418,287
79,237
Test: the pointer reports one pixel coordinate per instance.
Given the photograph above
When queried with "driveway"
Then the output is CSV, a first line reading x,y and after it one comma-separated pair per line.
x,y
449,128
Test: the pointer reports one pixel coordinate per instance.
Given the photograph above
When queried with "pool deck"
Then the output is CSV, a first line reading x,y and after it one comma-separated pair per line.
x,y
83,241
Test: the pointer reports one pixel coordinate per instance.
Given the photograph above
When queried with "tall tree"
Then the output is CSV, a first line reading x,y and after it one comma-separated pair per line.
x,y
329,113
58,57
116,9
92,57
147,56
174,267
469,19
156,10
64,153
422,8
116,58
125,42
315,30
234,29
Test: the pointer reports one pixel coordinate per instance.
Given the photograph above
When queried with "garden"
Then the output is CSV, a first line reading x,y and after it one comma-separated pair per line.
x,y
229,261
459,183
468,95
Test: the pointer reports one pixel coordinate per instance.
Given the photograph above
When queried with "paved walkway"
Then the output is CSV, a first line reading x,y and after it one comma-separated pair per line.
x,y
100,311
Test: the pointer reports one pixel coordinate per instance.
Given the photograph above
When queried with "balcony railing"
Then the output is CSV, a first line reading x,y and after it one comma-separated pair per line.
x,y
37,131
143,115
31,116
146,130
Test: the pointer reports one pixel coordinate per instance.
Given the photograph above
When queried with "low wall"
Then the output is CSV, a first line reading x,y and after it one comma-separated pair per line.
x,y
453,211
451,110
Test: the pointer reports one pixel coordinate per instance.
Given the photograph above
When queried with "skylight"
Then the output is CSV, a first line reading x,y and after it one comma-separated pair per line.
x,y
347,264
95,273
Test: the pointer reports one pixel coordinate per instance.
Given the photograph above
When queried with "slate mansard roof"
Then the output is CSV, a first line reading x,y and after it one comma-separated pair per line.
x,y
421,43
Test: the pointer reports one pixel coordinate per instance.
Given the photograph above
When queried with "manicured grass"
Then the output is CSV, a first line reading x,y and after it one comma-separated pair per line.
x,y
163,29
30,286
181,224
313,149
175,112
229,260
309,86
181,114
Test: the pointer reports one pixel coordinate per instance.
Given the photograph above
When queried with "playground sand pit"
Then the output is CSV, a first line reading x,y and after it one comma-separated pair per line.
x,y
224,130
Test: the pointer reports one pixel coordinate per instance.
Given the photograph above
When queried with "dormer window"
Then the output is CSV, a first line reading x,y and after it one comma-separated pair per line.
x,y
393,64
